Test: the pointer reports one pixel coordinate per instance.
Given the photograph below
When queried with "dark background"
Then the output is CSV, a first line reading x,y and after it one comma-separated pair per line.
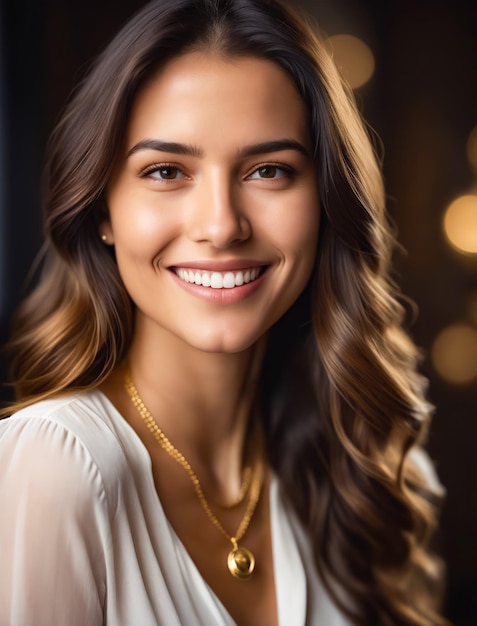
x,y
422,101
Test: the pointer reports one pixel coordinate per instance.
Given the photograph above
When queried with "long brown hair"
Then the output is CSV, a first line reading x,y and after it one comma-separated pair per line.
x,y
343,405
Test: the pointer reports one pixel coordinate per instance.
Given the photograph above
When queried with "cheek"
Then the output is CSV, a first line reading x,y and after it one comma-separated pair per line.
x,y
294,229
141,227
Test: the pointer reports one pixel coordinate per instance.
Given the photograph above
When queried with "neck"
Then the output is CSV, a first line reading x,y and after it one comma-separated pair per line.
x,y
202,401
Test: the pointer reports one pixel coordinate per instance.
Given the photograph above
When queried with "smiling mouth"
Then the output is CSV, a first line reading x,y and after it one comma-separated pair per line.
x,y
219,280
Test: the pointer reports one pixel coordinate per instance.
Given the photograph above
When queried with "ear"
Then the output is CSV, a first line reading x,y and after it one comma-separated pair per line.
x,y
106,233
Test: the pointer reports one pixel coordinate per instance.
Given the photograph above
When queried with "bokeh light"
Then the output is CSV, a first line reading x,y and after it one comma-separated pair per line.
x,y
454,354
353,57
460,224
472,147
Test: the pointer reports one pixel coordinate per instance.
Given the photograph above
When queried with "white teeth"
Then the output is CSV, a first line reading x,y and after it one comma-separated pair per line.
x,y
218,280
229,280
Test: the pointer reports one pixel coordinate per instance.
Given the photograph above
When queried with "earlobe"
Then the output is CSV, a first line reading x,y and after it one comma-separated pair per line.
x,y
106,233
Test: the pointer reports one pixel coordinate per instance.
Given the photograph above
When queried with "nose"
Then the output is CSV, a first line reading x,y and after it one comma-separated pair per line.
x,y
216,216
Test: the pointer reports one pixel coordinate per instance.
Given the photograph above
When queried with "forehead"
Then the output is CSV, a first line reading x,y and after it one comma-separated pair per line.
x,y
231,96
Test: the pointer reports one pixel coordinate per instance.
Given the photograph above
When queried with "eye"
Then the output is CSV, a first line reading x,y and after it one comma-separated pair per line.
x,y
163,172
271,171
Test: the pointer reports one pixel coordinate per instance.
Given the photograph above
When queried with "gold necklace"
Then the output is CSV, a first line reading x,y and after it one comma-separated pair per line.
x,y
240,561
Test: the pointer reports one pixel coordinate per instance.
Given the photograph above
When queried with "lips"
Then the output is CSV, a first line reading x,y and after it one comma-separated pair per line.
x,y
219,280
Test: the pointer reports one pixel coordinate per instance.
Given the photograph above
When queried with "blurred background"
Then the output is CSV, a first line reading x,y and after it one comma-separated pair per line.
x,y
413,65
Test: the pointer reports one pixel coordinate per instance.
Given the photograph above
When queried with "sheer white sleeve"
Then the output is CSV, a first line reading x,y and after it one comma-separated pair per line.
x,y
53,527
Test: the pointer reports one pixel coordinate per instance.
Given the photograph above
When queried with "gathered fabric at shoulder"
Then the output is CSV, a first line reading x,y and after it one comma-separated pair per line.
x,y
53,525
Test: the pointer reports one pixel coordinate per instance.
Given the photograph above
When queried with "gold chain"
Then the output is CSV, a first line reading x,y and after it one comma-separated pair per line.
x,y
241,561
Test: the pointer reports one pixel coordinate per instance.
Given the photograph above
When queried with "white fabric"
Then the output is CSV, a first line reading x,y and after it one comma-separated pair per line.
x,y
84,539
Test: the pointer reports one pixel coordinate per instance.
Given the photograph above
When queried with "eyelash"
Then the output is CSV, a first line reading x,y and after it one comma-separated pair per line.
x,y
288,171
156,167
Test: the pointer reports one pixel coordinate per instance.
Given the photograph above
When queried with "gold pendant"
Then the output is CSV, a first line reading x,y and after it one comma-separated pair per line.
x,y
241,563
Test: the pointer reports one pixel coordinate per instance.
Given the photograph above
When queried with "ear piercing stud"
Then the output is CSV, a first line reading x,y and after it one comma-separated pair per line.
x,y
104,238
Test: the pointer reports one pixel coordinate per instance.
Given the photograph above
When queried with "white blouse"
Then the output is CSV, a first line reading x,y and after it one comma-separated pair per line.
x,y
84,539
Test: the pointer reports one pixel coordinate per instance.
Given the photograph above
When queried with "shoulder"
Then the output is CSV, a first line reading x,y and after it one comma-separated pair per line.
x,y
69,444
55,517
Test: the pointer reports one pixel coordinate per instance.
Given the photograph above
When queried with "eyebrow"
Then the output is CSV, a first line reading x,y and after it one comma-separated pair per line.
x,y
166,146
265,147
277,145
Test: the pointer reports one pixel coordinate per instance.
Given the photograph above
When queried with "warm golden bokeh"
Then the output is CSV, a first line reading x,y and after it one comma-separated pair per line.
x,y
354,59
454,354
460,223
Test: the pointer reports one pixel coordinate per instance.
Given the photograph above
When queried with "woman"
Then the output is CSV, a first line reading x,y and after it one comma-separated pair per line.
x,y
218,416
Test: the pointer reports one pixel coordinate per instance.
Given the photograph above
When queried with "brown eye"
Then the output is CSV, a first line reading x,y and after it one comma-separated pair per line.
x,y
163,172
167,173
267,171
271,171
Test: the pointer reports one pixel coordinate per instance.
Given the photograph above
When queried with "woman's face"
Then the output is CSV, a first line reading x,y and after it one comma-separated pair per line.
x,y
213,205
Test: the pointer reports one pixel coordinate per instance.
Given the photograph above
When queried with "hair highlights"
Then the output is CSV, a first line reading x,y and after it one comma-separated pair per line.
x,y
343,406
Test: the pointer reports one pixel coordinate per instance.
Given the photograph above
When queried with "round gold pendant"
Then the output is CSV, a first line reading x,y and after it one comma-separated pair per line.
x,y
241,563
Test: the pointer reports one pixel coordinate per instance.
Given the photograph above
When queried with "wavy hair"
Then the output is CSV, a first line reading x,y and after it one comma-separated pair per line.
x,y
342,403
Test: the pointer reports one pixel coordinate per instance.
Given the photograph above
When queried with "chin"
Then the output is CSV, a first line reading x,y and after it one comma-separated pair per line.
x,y
226,342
